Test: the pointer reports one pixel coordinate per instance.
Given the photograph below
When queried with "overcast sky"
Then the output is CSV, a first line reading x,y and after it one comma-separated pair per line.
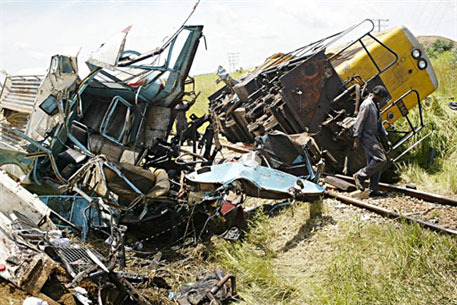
x,y
32,31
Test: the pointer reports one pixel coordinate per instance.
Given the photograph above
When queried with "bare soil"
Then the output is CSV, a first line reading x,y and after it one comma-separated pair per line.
x,y
10,295
427,41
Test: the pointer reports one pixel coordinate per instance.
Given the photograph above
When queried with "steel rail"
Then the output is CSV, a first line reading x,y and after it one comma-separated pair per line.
x,y
410,192
385,212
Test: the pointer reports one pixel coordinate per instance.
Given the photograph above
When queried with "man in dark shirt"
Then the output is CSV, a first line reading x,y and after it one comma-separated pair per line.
x,y
180,112
367,128
178,115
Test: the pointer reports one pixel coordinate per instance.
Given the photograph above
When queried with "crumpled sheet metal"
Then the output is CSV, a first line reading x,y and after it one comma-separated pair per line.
x,y
25,267
261,181
14,197
207,290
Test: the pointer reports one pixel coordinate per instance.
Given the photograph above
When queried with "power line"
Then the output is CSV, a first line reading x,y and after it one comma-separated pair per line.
x,y
233,60
381,24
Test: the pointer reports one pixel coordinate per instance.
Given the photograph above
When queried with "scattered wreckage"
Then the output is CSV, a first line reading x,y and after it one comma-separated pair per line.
x,y
97,154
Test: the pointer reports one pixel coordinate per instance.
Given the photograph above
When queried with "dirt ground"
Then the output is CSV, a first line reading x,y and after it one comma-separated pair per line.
x,y
10,295
300,238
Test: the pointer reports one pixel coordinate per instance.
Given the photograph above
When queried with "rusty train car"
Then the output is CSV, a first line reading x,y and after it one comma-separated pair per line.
x,y
317,89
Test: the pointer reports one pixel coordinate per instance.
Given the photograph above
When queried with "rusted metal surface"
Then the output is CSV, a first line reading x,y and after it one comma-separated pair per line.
x,y
295,97
19,92
307,90
301,91
211,294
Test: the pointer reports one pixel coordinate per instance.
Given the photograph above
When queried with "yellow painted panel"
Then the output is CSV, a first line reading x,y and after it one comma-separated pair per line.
x,y
398,79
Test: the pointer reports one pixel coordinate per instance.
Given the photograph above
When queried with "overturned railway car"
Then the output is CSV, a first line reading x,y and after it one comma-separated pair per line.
x,y
317,89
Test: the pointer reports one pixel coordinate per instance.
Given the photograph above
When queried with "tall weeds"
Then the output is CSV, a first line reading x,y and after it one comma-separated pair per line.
x,y
351,261
434,162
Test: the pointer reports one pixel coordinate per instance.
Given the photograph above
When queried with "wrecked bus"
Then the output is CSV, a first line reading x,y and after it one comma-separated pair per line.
x,y
90,136
77,149
318,88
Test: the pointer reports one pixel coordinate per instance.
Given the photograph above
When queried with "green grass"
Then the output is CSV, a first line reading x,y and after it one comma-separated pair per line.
x,y
445,67
379,265
253,263
206,85
354,262
416,166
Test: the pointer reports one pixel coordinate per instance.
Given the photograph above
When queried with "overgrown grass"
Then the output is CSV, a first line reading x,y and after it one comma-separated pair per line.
x,y
206,85
419,167
445,67
351,262
386,265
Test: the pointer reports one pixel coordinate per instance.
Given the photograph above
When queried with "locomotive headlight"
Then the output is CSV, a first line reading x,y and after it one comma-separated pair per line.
x,y
422,64
416,53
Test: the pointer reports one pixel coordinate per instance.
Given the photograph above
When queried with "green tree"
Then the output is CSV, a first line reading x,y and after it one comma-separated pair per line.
x,y
441,46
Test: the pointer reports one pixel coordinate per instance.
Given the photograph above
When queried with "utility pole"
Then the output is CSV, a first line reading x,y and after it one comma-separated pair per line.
x,y
233,60
381,24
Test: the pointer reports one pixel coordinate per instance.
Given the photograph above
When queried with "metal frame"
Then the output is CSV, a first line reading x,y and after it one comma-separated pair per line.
x,y
360,40
108,116
45,150
97,163
413,129
317,46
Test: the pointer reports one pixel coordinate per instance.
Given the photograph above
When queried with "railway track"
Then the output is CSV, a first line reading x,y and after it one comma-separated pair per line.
x,y
409,191
430,210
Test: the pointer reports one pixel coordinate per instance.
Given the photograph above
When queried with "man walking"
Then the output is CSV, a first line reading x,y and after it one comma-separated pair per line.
x,y
367,128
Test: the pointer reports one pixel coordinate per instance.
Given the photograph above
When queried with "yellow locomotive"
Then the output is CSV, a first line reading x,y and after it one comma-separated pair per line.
x,y
318,88
410,71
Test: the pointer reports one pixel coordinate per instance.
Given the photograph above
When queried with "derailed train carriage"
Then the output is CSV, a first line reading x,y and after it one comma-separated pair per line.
x,y
317,89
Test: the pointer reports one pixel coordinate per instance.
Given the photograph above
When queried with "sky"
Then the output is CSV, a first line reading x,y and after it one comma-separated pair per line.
x,y
31,31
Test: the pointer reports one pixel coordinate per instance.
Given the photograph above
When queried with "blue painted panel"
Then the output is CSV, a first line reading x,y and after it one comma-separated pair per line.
x,y
262,177
72,208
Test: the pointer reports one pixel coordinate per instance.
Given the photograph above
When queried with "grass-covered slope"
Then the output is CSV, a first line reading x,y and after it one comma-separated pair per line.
x,y
434,162
206,84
